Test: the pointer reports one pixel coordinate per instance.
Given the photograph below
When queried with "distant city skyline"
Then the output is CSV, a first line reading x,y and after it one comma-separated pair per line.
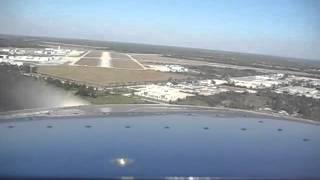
x,y
289,28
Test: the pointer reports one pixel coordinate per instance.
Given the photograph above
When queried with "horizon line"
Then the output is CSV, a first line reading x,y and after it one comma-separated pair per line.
x,y
170,46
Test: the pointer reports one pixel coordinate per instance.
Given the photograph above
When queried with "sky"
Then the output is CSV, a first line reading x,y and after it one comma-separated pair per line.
x,y
275,27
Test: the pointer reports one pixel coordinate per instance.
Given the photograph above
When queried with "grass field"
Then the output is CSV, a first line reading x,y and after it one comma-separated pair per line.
x,y
94,54
116,55
124,63
115,99
105,76
120,60
89,61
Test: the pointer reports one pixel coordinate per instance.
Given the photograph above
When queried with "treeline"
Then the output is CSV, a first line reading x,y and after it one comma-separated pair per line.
x,y
300,106
26,68
87,91
258,61
224,73
80,89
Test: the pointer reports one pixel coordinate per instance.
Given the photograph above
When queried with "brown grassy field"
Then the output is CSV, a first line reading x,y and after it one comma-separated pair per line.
x,y
89,61
157,58
94,54
105,76
116,55
125,63
120,60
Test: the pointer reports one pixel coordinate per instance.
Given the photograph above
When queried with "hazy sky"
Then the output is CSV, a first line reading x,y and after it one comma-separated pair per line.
x,y
276,27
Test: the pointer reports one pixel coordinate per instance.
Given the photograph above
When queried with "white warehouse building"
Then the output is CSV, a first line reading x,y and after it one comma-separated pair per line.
x,y
256,82
162,93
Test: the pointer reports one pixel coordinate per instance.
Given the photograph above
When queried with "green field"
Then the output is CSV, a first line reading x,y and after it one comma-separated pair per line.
x,y
115,99
105,76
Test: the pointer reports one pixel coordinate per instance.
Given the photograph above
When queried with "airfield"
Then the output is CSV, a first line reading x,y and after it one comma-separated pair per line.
x,y
105,76
104,68
145,73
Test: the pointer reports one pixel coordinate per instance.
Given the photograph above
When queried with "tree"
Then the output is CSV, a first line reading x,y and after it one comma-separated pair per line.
x,y
86,91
